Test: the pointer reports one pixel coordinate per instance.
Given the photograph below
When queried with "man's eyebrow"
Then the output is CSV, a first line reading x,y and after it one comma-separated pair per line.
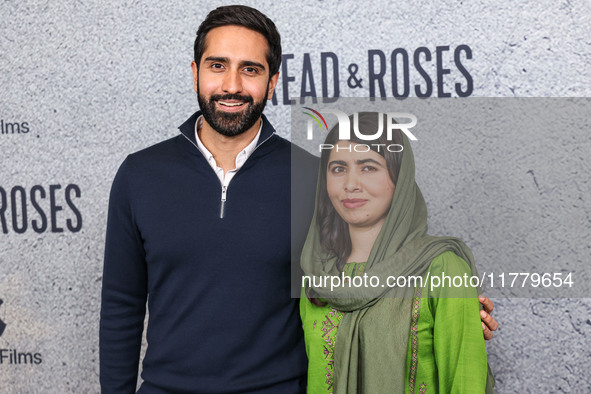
x,y
216,59
245,63
250,63
363,161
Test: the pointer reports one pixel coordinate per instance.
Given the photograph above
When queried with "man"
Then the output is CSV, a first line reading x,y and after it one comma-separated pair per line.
x,y
198,227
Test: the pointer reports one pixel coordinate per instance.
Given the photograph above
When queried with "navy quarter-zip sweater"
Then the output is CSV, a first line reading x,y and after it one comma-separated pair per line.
x,y
221,319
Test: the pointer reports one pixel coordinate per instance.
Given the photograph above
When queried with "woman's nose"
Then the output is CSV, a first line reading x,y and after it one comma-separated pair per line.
x,y
352,183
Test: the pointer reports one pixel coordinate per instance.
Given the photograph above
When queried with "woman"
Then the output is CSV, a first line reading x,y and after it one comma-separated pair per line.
x,y
371,219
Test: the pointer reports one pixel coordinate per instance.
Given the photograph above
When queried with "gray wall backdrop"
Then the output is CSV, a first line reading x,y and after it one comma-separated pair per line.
x,y
85,83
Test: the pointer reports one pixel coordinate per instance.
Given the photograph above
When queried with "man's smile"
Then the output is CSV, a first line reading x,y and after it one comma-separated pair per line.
x,y
231,105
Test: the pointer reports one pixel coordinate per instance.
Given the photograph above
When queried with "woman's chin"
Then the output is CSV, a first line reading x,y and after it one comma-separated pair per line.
x,y
364,223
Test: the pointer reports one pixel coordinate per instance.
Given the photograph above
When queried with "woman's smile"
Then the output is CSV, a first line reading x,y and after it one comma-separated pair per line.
x,y
353,203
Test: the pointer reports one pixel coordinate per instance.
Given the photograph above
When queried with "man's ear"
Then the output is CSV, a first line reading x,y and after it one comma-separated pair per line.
x,y
272,83
195,74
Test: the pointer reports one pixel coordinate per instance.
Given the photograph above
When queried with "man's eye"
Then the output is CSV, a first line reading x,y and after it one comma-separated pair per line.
x,y
217,65
251,70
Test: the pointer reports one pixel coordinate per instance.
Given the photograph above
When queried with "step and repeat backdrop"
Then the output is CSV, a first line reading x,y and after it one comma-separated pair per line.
x,y
85,83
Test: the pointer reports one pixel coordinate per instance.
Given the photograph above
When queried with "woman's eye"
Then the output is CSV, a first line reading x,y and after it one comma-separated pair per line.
x,y
369,169
337,169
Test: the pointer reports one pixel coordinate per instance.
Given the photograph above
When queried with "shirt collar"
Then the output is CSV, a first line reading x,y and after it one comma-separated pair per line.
x,y
242,155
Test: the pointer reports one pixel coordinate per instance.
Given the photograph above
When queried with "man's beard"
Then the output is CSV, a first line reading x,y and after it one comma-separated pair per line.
x,y
230,123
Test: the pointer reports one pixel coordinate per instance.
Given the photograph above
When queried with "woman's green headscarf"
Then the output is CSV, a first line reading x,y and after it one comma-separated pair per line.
x,y
377,323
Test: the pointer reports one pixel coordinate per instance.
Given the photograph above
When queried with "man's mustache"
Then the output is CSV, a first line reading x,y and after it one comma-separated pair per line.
x,y
218,97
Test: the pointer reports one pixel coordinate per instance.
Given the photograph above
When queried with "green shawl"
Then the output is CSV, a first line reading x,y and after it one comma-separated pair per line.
x,y
377,323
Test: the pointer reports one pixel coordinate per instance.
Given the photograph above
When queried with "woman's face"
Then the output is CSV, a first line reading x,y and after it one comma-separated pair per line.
x,y
359,184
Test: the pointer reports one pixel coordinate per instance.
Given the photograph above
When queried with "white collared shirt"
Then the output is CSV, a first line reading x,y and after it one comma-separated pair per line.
x,y
240,158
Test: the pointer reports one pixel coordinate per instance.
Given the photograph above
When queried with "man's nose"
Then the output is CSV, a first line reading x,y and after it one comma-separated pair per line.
x,y
232,82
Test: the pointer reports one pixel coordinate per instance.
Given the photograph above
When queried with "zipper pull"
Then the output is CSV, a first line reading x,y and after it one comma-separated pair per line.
x,y
223,201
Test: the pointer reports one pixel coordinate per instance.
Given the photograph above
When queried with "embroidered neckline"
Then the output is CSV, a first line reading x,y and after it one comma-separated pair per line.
x,y
414,343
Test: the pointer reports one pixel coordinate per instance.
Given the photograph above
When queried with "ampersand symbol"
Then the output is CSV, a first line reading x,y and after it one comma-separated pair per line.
x,y
353,81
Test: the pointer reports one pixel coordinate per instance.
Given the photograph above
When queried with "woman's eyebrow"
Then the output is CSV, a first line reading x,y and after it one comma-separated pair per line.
x,y
339,162
363,161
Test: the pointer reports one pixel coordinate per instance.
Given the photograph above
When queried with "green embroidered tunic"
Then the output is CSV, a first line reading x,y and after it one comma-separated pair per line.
x,y
446,351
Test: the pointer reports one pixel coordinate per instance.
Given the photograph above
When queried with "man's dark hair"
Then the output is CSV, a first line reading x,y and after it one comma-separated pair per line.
x,y
241,15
